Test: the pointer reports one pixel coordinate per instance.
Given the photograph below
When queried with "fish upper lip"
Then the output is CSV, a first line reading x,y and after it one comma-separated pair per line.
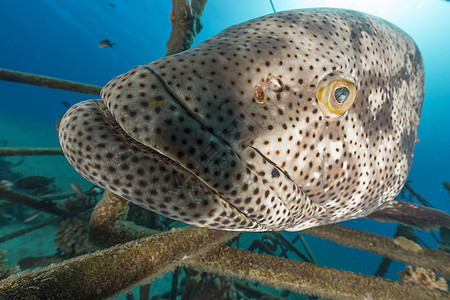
x,y
192,114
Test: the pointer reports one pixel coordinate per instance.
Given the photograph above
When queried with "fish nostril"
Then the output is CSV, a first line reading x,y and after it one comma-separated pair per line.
x,y
270,84
258,94
274,84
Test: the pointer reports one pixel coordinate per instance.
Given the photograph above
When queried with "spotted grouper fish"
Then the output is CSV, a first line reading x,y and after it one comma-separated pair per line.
x,y
288,121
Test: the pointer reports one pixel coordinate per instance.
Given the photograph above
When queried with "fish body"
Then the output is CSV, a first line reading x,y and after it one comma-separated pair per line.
x,y
6,184
105,44
32,217
34,183
292,120
77,189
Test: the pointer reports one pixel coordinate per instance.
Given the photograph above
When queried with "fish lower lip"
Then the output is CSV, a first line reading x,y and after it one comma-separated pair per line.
x,y
103,146
142,148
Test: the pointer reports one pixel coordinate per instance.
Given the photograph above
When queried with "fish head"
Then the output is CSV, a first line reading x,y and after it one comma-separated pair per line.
x,y
288,121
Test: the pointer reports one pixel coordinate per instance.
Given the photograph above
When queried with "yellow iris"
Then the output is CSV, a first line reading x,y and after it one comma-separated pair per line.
x,y
335,94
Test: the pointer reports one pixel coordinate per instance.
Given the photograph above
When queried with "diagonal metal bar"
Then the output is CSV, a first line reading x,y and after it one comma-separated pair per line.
x,y
35,202
305,278
381,245
28,151
50,82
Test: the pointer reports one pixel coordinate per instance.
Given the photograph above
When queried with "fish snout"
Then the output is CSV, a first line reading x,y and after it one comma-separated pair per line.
x,y
149,113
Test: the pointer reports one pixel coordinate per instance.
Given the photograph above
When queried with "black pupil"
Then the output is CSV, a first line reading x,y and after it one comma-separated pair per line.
x,y
341,94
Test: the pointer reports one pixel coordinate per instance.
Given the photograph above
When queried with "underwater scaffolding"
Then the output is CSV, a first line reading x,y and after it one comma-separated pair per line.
x,y
136,255
149,254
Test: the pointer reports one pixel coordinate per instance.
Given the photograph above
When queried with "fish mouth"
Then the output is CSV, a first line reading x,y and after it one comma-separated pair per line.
x,y
157,121
143,144
103,153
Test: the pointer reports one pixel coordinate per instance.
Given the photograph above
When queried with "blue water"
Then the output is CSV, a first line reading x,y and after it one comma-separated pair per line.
x,y
59,38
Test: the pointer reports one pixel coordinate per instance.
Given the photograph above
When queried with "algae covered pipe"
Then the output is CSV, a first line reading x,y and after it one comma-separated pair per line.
x,y
105,273
108,228
385,246
108,272
185,17
305,278
50,82
18,197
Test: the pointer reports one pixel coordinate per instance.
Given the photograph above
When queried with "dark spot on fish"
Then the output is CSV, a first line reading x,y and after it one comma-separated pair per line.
x,y
275,173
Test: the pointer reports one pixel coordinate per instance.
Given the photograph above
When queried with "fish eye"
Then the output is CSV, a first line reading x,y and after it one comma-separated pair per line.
x,y
335,94
341,94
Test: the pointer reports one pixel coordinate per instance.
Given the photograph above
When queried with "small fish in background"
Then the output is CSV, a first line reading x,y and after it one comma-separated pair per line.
x,y
81,196
111,4
36,185
105,44
34,182
6,216
446,185
96,190
77,189
6,184
65,103
32,216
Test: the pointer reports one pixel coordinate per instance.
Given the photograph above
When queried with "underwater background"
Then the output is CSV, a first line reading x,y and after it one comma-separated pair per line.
x,y
60,39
